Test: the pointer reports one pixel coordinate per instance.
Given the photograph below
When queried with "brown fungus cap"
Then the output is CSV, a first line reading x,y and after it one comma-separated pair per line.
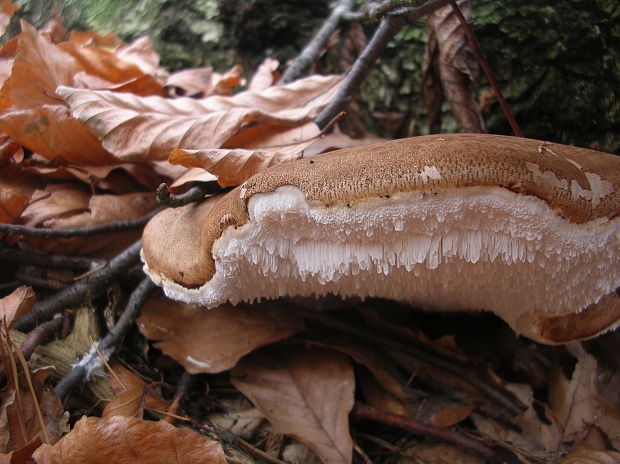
x,y
580,186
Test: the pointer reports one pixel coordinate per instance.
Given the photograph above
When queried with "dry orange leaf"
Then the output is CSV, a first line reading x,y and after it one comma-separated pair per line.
x,y
306,393
148,128
33,115
16,304
108,41
102,69
213,340
129,440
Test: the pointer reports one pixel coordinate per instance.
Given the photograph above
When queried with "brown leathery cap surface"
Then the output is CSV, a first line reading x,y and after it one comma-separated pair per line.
x,y
178,242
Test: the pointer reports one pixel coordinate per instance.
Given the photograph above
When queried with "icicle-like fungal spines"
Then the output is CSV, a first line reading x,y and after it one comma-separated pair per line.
x,y
529,230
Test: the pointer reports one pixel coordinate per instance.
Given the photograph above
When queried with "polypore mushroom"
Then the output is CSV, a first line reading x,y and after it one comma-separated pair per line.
x,y
526,229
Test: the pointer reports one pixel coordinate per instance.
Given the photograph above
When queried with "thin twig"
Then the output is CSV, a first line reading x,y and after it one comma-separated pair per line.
x,y
46,260
182,389
40,335
313,50
35,400
388,27
107,345
375,11
462,441
473,43
108,227
82,290
38,282
422,353
163,197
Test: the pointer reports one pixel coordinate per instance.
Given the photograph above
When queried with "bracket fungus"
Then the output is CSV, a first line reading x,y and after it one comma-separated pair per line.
x,y
529,230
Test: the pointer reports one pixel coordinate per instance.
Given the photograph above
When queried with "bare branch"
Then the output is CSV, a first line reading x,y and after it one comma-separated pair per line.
x,y
388,27
108,344
108,227
313,50
459,440
83,290
45,260
422,353
198,192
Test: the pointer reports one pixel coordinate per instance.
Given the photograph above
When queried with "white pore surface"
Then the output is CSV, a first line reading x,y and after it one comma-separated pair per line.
x,y
469,248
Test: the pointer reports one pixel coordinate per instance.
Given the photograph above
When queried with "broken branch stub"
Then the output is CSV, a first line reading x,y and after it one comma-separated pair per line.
x,y
529,230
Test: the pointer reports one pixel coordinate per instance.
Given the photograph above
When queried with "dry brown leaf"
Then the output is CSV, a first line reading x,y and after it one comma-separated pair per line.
x,y
588,456
16,189
533,433
201,82
440,453
213,340
265,76
22,455
16,304
126,439
70,205
456,66
20,424
31,112
133,395
451,415
379,365
148,128
7,10
576,402
140,52
377,396
306,393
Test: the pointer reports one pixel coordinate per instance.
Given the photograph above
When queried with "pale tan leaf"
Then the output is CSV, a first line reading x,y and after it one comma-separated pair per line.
x,y
126,439
232,166
190,176
148,128
201,82
213,340
587,456
16,304
140,52
306,393
265,76
576,401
